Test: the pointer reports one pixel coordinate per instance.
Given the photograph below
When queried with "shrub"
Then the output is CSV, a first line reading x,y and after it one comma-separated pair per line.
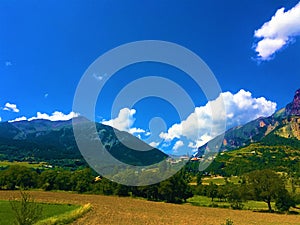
x,y
27,211
228,222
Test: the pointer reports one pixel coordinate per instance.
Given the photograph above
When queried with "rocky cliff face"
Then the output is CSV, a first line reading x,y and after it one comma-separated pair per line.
x,y
293,109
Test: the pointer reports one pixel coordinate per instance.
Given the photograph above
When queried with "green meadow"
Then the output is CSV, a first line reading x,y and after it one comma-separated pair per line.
x,y
49,210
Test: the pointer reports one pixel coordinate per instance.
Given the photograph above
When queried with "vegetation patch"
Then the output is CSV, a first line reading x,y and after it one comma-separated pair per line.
x,y
67,217
37,165
257,156
7,215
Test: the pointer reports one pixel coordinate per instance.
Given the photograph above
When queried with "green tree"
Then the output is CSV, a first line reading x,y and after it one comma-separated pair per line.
x,y
122,190
176,189
235,196
62,181
47,180
212,191
104,186
82,180
199,178
284,201
265,185
18,177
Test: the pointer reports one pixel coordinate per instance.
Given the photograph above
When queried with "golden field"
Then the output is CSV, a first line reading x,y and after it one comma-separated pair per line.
x,y
128,211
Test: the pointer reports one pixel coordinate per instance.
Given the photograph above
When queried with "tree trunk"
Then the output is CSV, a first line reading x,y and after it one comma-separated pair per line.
x,y
269,206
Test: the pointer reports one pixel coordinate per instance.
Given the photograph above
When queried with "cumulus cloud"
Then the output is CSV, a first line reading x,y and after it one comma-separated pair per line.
x,y
177,145
200,127
278,32
56,116
124,122
18,119
154,144
0,119
11,107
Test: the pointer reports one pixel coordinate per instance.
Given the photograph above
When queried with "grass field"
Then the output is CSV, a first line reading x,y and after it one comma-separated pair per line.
x,y
235,180
219,180
249,205
128,211
49,210
26,164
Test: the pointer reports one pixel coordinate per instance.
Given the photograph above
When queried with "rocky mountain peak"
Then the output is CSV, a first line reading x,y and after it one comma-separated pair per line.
x,y
293,108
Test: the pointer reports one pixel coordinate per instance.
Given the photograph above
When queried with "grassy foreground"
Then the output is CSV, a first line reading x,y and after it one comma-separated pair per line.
x,y
49,210
128,211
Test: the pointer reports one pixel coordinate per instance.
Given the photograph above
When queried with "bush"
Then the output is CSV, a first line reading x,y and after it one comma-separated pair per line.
x,y
27,211
228,222
214,205
236,205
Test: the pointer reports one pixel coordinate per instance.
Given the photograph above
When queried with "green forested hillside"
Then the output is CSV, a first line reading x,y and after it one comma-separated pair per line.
x,y
279,157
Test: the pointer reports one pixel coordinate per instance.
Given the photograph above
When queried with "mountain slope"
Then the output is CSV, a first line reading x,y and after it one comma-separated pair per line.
x,y
256,156
284,123
272,142
54,142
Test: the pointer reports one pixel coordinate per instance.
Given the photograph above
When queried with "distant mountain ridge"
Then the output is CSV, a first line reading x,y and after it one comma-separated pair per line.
x,y
265,143
284,123
293,108
54,142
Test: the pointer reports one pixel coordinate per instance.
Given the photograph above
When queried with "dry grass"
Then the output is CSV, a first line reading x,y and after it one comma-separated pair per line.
x,y
114,210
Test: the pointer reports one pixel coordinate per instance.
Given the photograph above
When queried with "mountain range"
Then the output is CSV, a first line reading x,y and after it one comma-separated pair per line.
x,y
54,142
267,142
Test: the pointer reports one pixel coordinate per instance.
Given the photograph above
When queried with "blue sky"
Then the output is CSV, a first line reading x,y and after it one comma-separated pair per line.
x,y
46,46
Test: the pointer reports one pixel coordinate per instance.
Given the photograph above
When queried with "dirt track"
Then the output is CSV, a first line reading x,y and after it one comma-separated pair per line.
x,y
114,210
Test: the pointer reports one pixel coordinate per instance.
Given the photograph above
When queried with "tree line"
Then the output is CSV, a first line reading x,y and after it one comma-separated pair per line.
x,y
176,189
261,185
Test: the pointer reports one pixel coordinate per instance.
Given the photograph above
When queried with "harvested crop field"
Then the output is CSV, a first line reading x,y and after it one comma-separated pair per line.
x,y
116,210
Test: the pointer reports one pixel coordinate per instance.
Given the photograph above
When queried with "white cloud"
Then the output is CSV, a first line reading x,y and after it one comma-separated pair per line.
x,y
18,119
11,107
0,119
177,145
154,144
135,130
46,95
124,122
199,127
56,116
278,32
